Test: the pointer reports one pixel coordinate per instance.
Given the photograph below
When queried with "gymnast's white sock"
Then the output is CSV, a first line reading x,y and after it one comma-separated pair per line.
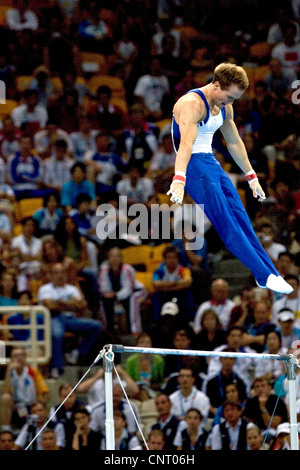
x,y
278,284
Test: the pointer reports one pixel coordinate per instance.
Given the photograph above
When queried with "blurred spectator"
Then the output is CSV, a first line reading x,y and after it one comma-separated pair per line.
x,y
255,439
231,393
124,440
84,438
56,169
147,370
242,312
284,16
24,170
23,385
290,301
266,234
162,333
285,263
104,166
256,333
166,28
8,77
271,368
8,289
187,82
167,423
219,302
126,49
161,166
138,142
52,253
105,115
170,280
135,186
34,423
7,441
9,138
192,436
279,80
151,88
45,139
288,50
48,216
30,247
21,17
156,440
211,334
41,82
25,300
30,116
286,321
49,440
83,140
66,303
92,30
77,185
120,290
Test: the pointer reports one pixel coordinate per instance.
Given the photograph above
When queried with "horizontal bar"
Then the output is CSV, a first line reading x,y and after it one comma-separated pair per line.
x,y
118,348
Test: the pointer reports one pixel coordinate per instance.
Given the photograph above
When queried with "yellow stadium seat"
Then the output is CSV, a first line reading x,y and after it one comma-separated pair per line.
x,y
23,82
3,11
136,254
146,279
7,108
164,122
114,83
92,61
260,51
261,72
121,103
27,207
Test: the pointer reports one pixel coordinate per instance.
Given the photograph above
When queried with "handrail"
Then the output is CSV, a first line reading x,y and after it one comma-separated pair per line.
x,y
37,355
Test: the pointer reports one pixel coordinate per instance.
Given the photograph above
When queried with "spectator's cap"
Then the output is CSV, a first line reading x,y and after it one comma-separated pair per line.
x,y
283,428
169,308
286,315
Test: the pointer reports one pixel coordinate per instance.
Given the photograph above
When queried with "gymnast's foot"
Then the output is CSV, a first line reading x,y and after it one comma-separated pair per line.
x,y
278,284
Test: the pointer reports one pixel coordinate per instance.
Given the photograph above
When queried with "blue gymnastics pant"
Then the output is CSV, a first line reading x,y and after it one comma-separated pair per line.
x,y
208,184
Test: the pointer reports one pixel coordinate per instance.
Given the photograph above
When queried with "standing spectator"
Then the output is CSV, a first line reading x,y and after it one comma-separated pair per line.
x,y
219,302
23,385
167,423
20,17
118,286
56,169
232,433
172,280
261,406
78,184
35,421
30,116
193,436
67,307
188,396
151,88
24,170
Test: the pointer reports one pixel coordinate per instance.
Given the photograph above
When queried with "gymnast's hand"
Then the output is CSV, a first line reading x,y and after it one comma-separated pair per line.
x,y
177,192
257,190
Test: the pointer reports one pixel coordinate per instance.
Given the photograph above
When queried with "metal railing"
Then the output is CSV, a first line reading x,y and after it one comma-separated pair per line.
x,y
39,349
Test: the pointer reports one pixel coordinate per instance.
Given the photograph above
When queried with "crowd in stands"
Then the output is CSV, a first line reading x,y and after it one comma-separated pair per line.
x,y
87,231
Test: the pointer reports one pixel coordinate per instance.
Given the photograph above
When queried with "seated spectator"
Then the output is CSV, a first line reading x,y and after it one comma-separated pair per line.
x,y
84,438
188,396
83,140
8,77
192,436
65,301
270,368
266,234
119,403
161,166
7,199
8,288
20,17
255,440
30,116
211,334
290,301
167,423
136,187
10,137
231,434
288,50
7,441
171,280
24,300
105,115
45,140
219,302
214,385
242,313
94,387
156,440
285,263
104,167
83,217
41,82
30,247
256,333
77,185
118,286
162,333
286,321
124,440
34,423
52,253
6,224
93,31
279,80
147,370
24,170
231,393
283,439
49,440
139,141
23,386
151,87
48,216
261,406
56,169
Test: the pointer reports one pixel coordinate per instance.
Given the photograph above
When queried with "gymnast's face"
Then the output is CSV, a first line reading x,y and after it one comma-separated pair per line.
x,y
225,96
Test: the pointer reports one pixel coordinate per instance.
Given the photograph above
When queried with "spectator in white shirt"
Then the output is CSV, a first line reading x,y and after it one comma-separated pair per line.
x,y
44,140
21,17
57,168
30,114
137,188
